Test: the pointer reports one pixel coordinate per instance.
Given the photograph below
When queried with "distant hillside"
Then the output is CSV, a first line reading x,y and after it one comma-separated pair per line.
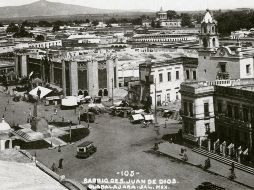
x,y
46,8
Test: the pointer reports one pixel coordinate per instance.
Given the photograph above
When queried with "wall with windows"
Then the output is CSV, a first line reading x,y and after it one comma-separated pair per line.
x,y
197,111
223,65
233,118
46,44
246,68
198,116
190,74
168,80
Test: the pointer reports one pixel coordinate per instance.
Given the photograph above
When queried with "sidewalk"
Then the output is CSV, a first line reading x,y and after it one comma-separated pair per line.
x,y
196,159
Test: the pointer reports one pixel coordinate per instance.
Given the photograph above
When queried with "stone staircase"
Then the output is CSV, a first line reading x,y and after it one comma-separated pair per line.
x,y
22,134
224,160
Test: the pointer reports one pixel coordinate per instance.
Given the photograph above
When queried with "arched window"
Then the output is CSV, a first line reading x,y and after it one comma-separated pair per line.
x,y
213,29
205,29
105,92
100,92
214,42
205,42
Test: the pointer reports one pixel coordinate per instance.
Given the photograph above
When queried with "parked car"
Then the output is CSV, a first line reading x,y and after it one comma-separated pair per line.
x,y
85,149
88,117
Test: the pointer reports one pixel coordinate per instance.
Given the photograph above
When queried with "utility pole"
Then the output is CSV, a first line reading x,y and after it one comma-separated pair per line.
x,y
70,130
112,91
155,103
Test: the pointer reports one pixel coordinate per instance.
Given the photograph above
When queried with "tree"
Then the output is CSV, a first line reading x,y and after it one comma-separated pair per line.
x,y
172,14
12,28
1,25
95,22
28,24
158,24
22,33
153,24
186,20
111,21
234,20
56,28
40,38
43,23
87,21
137,21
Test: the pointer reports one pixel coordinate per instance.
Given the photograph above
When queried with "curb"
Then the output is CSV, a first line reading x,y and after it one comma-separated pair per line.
x,y
198,166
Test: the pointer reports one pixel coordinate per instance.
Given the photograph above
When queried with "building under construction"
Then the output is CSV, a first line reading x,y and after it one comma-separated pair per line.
x,y
93,74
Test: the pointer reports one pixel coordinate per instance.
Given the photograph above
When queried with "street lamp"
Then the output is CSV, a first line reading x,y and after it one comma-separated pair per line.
x,y
112,91
155,103
70,130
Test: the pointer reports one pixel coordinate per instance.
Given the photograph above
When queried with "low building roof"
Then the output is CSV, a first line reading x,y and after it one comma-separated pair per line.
x,y
86,143
4,126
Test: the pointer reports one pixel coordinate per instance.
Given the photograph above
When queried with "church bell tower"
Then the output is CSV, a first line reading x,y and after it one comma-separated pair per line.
x,y
208,37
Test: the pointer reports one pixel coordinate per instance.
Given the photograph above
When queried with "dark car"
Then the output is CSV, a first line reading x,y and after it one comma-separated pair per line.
x,y
85,149
88,117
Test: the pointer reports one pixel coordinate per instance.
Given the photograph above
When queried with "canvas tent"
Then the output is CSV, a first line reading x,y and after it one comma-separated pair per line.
x,y
70,102
44,91
149,117
137,118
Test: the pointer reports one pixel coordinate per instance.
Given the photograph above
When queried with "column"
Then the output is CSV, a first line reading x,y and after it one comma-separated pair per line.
x,y
51,70
2,144
209,145
250,138
73,78
23,65
63,78
141,93
239,151
43,70
10,144
224,148
16,61
110,76
92,78
116,66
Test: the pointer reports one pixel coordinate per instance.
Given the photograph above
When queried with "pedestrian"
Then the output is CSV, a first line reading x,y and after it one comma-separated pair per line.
x,y
207,163
59,148
39,93
79,120
156,147
185,157
232,175
53,167
232,166
182,151
55,111
60,165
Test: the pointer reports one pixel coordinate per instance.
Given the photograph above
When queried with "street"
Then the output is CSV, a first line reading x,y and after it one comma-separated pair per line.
x,y
121,146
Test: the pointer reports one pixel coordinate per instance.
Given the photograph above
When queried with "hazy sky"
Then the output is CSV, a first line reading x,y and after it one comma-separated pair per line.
x,y
148,4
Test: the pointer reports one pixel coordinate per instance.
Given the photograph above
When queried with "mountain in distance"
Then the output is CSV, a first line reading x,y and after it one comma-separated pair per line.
x,y
46,8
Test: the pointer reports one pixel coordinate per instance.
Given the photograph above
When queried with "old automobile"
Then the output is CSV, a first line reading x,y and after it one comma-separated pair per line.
x,y
85,149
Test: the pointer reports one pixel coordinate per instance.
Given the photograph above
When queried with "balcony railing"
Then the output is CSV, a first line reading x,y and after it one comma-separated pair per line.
x,y
223,118
223,75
